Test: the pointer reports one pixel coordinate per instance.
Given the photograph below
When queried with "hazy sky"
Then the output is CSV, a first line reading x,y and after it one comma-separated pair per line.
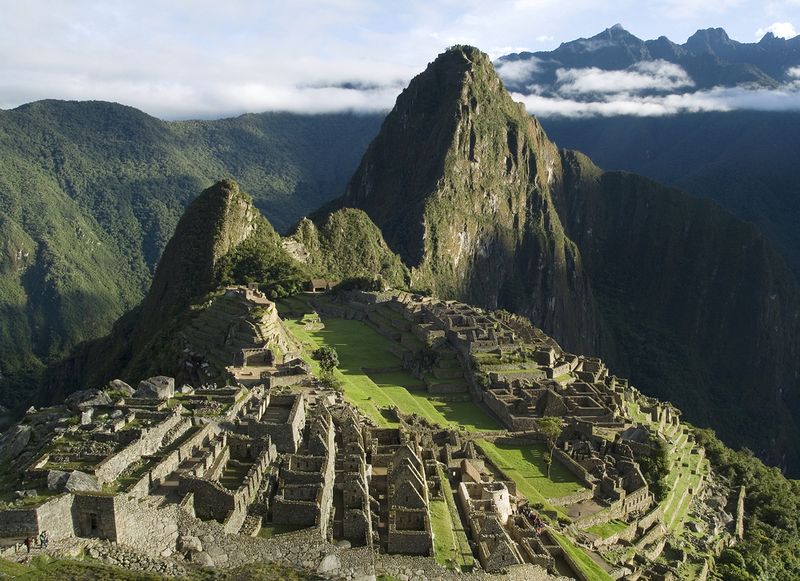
x,y
201,58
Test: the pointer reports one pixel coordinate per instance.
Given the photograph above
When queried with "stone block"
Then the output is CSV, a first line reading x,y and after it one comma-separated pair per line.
x,y
203,559
190,544
81,482
86,416
330,564
57,479
159,387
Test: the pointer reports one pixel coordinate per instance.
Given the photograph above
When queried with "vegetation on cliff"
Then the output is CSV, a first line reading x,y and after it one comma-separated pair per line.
x,y
347,244
90,193
771,545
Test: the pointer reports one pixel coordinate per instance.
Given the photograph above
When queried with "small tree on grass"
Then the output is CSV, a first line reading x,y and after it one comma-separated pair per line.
x,y
550,428
328,361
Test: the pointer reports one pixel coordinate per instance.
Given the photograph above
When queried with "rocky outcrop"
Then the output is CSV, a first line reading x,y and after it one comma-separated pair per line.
x,y
159,387
701,308
347,244
86,398
692,304
460,182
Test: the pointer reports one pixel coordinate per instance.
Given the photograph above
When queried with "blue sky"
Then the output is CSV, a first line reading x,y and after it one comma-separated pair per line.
x,y
200,58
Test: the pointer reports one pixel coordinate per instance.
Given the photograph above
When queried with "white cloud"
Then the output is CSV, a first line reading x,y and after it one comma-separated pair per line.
x,y
780,29
517,71
793,73
655,75
717,99
207,58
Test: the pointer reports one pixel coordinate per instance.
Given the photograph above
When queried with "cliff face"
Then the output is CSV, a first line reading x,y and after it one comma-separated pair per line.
x,y
217,221
702,309
460,182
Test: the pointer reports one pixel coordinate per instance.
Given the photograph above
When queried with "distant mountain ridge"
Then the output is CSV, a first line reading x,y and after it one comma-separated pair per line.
x,y
709,57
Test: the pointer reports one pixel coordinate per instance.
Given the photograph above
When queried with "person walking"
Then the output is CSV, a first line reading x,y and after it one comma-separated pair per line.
x,y
28,543
44,539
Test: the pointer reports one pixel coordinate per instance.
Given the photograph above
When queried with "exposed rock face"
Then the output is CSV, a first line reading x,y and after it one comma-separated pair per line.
x,y
705,311
216,222
14,441
75,481
159,387
120,386
86,398
56,479
460,182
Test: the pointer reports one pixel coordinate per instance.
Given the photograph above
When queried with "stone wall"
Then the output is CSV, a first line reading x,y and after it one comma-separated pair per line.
x,y
286,436
211,500
57,517
153,478
95,516
19,522
410,542
148,443
144,528
576,469
220,461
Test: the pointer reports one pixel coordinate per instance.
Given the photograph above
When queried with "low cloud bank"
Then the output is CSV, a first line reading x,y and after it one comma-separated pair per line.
x,y
717,99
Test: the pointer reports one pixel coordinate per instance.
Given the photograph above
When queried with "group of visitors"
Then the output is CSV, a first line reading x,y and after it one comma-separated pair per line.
x,y
40,540
536,521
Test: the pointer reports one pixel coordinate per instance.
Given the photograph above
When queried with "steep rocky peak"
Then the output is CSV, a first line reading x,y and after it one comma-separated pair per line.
x,y
217,221
710,40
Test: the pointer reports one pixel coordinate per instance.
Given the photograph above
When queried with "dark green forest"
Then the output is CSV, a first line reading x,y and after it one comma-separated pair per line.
x,y
90,193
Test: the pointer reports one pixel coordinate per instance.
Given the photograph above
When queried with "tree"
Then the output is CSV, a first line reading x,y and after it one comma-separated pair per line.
x,y
328,361
550,428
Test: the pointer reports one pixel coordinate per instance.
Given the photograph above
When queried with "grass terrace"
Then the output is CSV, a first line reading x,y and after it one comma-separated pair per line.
x,y
588,568
608,529
450,544
359,346
526,466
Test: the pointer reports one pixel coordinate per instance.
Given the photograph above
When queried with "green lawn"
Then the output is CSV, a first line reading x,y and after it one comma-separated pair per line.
x,y
588,567
359,346
444,543
526,466
605,530
450,543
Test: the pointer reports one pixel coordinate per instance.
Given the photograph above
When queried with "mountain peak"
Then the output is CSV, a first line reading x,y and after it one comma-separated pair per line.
x,y
710,40
214,223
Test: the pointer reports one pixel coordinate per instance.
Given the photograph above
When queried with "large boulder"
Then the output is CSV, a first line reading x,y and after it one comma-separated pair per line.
x,y
56,480
120,386
87,398
329,565
159,387
189,544
81,482
203,559
14,441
